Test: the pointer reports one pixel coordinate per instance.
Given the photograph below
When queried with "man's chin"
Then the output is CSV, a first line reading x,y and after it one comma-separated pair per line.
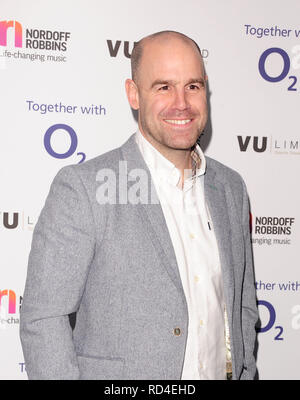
x,y
175,141
183,144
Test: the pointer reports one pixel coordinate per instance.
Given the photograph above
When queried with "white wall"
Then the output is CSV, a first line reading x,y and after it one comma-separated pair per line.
x,y
248,112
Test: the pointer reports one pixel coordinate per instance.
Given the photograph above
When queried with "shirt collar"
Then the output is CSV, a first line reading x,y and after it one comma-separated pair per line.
x,y
165,170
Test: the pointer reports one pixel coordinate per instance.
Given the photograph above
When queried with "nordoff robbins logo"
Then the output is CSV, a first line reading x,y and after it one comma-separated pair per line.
x,y
34,38
9,313
272,230
14,39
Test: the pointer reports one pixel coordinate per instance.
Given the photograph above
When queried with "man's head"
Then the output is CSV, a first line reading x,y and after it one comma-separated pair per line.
x,y
168,87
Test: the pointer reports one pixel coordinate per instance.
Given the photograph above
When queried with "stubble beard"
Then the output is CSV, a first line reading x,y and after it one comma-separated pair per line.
x,y
156,136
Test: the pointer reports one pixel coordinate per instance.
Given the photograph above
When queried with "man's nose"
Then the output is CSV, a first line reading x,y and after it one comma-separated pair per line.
x,y
181,99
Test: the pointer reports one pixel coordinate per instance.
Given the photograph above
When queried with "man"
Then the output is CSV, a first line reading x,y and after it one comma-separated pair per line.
x,y
149,244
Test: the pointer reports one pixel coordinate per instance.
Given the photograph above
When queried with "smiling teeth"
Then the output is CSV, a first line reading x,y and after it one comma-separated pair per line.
x,y
178,121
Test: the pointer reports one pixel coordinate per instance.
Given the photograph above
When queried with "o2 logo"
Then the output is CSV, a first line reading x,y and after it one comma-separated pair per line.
x,y
73,146
271,321
287,64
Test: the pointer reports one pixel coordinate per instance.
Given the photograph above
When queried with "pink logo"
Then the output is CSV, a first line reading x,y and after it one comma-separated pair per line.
x,y
11,300
4,26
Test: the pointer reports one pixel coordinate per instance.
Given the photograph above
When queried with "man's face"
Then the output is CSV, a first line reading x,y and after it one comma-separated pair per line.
x,y
170,94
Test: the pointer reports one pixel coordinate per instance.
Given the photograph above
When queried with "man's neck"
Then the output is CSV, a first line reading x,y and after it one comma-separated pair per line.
x,y
181,158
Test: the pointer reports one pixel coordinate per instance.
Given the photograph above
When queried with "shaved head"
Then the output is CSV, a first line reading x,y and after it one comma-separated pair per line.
x,y
168,88
139,46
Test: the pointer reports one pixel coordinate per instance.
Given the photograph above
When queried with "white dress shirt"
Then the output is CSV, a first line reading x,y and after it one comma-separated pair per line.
x,y
195,246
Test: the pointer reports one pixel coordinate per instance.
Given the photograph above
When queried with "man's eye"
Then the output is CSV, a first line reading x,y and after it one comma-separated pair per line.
x,y
165,87
193,87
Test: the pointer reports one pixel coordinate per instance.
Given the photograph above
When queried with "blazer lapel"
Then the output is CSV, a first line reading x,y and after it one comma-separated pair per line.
x,y
159,233
217,202
152,213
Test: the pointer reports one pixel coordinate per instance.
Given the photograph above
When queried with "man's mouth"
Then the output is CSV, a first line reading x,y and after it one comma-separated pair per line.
x,y
178,121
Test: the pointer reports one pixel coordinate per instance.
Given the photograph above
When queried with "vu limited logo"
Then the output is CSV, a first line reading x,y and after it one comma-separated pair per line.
x,y
16,26
273,145
258,145
16,220
114,48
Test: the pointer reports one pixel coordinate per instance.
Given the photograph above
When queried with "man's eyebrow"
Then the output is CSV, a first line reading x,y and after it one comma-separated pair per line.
x,y
158,82
197,80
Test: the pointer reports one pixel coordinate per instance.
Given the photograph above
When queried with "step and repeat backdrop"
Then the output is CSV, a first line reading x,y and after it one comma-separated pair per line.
x,y
63,64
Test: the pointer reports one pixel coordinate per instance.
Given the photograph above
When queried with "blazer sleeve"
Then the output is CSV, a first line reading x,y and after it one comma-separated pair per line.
x,y
249,301
61,252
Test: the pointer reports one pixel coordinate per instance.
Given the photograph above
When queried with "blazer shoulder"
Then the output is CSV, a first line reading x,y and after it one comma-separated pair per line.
x,y
89,169
232,182
109,159
225,174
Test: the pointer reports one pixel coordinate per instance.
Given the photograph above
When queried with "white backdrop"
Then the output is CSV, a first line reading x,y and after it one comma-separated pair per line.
x,y
62,104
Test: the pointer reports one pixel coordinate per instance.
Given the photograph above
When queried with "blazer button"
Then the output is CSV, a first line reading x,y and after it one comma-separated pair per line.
x,y
177,331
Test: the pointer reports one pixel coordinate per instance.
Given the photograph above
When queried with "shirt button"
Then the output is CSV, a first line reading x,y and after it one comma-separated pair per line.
x,y
196,278
192,236
201,323
177,331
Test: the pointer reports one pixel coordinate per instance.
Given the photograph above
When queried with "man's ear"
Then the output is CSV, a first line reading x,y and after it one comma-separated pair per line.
x,y
132,94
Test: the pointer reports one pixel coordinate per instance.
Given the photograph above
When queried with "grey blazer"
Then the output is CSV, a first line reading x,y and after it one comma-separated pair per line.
x,y
115,266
